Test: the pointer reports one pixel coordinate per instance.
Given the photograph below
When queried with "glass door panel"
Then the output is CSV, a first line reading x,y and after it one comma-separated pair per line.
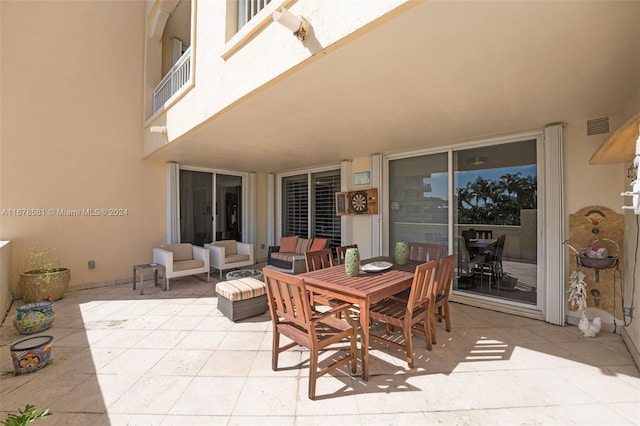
x,y
419,200
495,222
228,207
196,197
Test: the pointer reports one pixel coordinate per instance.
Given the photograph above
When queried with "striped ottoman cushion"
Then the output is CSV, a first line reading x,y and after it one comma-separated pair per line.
x,y
241,289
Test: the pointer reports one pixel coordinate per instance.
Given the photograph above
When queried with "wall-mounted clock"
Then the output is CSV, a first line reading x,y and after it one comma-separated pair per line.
x,y
359,202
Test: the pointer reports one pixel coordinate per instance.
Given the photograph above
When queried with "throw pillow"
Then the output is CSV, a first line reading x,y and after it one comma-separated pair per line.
x,y
288,244
319,243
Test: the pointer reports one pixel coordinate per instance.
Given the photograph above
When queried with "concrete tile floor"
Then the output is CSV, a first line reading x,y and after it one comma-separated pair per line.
x,y
170,358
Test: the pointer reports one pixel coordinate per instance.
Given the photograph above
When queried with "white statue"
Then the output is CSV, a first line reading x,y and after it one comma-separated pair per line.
x,y
589,328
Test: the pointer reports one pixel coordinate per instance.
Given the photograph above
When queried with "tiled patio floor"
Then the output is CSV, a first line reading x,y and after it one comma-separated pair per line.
x,y
170,358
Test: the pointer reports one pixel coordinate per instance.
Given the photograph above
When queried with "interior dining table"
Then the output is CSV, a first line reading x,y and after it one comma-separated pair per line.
x,y
479,245
362,290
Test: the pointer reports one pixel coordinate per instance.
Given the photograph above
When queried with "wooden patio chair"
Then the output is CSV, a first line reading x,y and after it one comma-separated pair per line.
x,y
292,316
340,252
318,259
425,252
395,312
444,275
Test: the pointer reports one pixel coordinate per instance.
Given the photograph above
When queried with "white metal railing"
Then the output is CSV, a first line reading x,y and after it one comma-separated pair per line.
x,y
247,9
178,76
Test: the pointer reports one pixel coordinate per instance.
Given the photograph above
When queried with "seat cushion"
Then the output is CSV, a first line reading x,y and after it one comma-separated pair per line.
x,y
182,251
184,265
288,244
241,289
236,258
230,247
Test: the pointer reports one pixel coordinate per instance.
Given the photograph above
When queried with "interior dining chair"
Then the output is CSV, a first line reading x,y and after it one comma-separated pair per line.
x,y
341,251
484,233
425,252
395,312
293,317
443,279
492,266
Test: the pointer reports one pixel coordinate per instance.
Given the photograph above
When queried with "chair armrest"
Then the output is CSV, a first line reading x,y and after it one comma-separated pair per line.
x,y
163,257
318,316
246,248
201,253
272,249
217,255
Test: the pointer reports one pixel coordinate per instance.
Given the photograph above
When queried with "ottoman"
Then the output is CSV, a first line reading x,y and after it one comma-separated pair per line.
x,y
242,298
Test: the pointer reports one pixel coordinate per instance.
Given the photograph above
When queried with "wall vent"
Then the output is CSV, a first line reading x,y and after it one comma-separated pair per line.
x,y
597,126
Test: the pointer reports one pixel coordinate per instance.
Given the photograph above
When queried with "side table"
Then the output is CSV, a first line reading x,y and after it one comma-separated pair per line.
x,y
155,267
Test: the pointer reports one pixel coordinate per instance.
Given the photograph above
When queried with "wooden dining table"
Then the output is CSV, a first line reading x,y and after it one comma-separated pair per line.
x,y
363,290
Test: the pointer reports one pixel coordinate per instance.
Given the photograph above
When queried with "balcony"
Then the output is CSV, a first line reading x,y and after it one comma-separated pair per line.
x,y
178,76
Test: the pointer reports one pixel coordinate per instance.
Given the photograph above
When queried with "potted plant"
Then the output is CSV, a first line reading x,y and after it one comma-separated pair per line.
x,y
43,278
28,415
42,282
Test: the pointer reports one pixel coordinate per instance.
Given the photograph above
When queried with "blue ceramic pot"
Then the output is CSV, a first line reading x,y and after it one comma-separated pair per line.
x,y
34,317
31,354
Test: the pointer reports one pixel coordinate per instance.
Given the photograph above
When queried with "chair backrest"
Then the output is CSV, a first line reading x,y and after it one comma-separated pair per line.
x,y
425,252
341,251
422,287
484,233
444,274
318,259
230,246
500,246
181,251
288,299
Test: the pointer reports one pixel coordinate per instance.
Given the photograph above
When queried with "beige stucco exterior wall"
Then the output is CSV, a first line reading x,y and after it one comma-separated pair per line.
x,y
259,61
71,137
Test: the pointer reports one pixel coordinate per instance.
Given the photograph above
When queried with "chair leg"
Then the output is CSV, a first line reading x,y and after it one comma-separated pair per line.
x,y
408,346
313,373
275,351
447,316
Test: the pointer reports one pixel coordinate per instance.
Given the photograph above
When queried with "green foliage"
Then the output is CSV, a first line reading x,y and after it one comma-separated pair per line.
x,y
41,260
496,202
28,415
39,274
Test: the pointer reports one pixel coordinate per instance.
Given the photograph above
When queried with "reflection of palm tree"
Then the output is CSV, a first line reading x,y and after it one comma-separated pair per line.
x,y
464,196
510,182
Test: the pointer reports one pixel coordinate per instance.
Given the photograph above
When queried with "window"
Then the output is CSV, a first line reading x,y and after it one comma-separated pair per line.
x,y
308,206
247,9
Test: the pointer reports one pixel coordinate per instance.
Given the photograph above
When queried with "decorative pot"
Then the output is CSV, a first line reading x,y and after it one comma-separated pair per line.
x,y
402,252
352,262
31,354
37,285
34,317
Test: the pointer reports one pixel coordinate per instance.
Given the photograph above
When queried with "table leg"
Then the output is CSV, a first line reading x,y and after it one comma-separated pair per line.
x,y
141,281
134,278
155,276
364,325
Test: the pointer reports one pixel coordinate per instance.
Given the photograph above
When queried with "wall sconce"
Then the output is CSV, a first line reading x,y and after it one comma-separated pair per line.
x,y
296,24
158,129
477,160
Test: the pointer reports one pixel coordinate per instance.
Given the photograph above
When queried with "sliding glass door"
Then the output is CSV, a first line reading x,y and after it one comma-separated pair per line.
x,y
495,220
480,203
210,207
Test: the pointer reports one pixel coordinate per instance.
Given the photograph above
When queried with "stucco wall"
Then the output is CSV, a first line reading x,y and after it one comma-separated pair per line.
x,y
259,61
71,137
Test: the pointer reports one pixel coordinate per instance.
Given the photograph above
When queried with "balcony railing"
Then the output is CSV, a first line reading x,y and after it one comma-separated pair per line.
x,y
178,76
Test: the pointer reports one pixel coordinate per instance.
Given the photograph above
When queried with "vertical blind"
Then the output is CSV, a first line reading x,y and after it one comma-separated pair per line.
x,y
299,199
295,208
